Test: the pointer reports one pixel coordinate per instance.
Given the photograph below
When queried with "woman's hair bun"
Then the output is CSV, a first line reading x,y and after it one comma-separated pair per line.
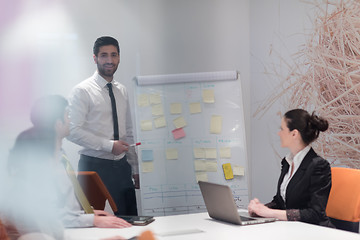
x,y
318,123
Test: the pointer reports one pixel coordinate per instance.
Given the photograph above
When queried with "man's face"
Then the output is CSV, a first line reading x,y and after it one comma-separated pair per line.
x,y
107,61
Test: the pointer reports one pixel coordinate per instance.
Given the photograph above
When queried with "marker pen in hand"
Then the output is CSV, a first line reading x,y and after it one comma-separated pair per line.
x,y
135,144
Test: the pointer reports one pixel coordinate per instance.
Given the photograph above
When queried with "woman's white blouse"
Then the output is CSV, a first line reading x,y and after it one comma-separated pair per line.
x,y
297,159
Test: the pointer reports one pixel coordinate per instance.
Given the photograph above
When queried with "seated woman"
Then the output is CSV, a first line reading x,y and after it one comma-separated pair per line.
x,y
42,197
305,180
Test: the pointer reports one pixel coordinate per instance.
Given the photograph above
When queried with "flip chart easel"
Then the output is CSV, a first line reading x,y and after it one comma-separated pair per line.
x,y
191,127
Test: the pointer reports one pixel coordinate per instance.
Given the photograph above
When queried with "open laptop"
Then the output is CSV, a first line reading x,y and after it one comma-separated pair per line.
x,y
221,206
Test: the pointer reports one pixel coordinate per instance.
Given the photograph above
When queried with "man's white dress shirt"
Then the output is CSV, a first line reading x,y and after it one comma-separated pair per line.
x,y
91,119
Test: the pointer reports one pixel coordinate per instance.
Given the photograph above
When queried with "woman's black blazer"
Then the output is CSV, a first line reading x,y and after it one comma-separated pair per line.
x,y
308,191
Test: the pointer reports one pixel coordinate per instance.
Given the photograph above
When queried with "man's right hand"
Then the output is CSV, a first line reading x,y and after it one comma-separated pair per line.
x,y
119,147
110,222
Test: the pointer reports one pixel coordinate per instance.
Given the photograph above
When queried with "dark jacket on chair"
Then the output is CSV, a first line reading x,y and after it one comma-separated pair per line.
x,y
307,192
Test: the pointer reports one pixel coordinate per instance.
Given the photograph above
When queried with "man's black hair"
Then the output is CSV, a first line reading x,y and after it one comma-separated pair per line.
x,y
105,41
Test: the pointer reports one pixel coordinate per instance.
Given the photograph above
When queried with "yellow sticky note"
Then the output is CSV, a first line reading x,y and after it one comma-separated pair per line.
x,y
216,124
201,176
176,108
143,100
211,166
228,173
195,107
179,122
146,125
208,96
238,170
147,167
200,165
199,153
155,99
160,122
157,110
210,153
225,152
171,154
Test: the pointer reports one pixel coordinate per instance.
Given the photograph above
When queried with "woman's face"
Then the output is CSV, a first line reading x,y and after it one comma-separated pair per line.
x,y
63,127
66,123
285,134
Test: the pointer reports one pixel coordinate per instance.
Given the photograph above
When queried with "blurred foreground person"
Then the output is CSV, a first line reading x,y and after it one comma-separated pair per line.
x,y
42,195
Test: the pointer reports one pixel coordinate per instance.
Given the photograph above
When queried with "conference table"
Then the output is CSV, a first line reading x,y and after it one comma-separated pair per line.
x,y
200,226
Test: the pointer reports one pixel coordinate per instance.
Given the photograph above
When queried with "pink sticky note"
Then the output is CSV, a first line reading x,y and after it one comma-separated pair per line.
x,y
178,133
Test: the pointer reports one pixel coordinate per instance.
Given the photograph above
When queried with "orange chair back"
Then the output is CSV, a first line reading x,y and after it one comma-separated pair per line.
x,y
3,232
95,190
146,235
344,198
8,230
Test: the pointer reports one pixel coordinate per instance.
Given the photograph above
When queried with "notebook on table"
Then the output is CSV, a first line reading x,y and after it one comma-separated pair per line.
x,y
220,204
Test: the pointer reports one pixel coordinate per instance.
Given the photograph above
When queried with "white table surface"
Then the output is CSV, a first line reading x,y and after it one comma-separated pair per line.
x,y
200,226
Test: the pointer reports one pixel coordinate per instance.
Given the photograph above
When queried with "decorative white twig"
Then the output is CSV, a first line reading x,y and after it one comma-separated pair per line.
x,y
325,76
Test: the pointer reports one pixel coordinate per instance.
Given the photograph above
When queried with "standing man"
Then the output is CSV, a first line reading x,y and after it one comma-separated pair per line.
x,y
101,123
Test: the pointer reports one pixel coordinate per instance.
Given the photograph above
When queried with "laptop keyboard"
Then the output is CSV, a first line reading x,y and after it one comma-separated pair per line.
x,y
246,218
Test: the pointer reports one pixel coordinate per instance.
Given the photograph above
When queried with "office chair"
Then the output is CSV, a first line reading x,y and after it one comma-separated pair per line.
x,y
95,190
343,206
8,230
3,232
146,235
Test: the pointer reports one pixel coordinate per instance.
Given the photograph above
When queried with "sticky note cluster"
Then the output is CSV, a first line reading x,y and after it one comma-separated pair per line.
x,y
209,153
157,110
207,166
147,157
205,162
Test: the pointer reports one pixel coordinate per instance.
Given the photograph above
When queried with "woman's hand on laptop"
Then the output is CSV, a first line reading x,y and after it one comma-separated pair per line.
x,y
257,209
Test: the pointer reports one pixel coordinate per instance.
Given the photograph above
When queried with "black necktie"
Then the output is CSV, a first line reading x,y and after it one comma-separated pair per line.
x,y
114,112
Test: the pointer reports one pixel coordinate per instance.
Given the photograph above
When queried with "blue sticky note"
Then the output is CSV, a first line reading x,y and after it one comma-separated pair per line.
x,y
147,155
